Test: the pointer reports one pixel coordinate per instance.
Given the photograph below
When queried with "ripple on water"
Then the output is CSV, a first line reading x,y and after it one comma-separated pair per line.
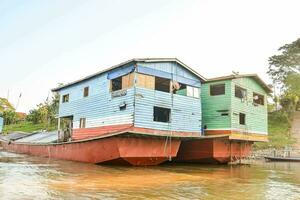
x,y
27,177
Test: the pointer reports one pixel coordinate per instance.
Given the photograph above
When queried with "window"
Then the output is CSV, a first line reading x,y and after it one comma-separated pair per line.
x,y
242,119
65,98
116,84
240,92
161,114
82,123
86,92
193,92
218,89
162,84
180,89
258,99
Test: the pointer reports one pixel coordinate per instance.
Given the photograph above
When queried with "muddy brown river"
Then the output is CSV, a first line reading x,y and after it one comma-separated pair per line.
x,y
28,177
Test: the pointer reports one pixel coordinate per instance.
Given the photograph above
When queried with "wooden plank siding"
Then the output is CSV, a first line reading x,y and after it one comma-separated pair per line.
x,y
256,115
213,105
100,109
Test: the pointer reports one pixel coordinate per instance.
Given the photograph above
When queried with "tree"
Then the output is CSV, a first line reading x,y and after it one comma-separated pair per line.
x,y
9,116
45,112
285,70
286,63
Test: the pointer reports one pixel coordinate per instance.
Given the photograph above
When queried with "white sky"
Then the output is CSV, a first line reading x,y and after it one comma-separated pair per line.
x,y
43,43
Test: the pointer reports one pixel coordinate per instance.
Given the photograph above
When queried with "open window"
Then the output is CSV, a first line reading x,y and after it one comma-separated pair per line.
x,y
86,92
122,82
218,89
240,92
162,84
180,88
242,118
82,123
65,98
116,84
161,114
258,99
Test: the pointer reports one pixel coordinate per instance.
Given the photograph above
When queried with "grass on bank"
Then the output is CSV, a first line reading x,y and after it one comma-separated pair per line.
x,y
279,126
28,127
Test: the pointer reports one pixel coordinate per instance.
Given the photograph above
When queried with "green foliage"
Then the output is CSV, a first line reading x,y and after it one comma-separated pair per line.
x,y
10,117
44,113
28,127
284,69
279,135
5,105
285,63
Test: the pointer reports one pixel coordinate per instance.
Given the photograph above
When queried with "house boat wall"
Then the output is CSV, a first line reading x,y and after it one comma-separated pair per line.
x,y
101,108
256,127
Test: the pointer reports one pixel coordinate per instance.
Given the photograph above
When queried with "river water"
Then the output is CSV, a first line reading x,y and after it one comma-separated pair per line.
x,y
28,177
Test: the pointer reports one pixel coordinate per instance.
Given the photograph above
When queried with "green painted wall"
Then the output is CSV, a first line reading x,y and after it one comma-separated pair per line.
x,y
256,116
212,105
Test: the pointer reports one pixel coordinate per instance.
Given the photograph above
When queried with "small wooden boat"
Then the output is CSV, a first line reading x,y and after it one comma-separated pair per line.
x,y
282,159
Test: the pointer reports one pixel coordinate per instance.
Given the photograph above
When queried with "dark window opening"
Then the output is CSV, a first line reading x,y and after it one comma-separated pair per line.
x,y
240,92
258,99
65,98
242,119
217,89
162,84
116,84
161,114
224,114
86,92
82,123
123,106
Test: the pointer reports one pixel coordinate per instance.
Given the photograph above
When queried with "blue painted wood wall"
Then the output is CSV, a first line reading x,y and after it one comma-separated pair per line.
x,y
100,109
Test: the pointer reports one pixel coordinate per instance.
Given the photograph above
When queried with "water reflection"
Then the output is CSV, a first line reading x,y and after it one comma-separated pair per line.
x,y
26,177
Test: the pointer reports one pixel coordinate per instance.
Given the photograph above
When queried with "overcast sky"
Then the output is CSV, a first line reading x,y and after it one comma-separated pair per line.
x,y
43,43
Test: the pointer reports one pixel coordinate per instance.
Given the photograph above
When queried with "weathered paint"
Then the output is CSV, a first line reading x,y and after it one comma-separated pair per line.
x,y
256,116
1,124
139,151
213,106
212,151
101,110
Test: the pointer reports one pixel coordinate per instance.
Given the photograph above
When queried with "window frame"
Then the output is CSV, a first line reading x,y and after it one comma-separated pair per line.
x,y
82,122
235,91
263,100
65,98
120,78
86,91
218,84
156,84
242,121
155,119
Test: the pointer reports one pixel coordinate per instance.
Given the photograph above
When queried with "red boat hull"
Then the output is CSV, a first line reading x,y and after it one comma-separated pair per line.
x,y
138,151
214,150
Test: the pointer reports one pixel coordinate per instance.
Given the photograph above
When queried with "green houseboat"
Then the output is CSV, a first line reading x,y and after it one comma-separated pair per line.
x,y
236,105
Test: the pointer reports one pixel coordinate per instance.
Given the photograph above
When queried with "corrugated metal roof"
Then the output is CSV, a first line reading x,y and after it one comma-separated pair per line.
x,y
131,61
14,136
42,137
254,76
